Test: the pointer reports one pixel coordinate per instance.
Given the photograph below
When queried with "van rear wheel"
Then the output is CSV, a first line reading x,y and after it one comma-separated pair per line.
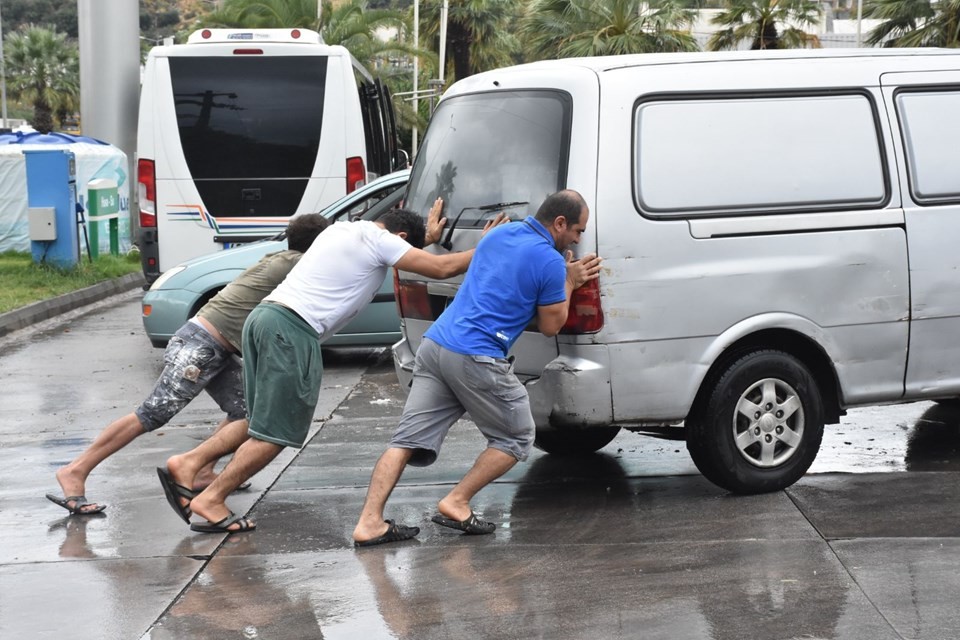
x,y
761,426
567,442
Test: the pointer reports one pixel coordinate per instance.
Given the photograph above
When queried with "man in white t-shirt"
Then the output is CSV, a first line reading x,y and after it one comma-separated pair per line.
x,y
334,280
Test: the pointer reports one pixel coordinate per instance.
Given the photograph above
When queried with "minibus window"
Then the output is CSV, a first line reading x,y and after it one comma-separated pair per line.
x,y
488,148
249,117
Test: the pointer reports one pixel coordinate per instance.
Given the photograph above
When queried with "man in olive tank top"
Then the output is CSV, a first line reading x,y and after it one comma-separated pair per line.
x,y
200,356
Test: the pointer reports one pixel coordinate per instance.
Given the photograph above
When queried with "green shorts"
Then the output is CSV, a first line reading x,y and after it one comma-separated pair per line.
x,y
282,369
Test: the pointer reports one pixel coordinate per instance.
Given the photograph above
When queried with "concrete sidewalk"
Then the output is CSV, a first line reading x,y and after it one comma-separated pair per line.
x,y
51,307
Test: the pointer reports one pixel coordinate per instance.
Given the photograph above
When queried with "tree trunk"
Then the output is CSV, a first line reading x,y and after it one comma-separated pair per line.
x,y
42,117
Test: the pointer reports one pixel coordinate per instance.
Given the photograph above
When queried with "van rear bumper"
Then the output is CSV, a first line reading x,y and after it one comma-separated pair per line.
x,y
403,357
572,392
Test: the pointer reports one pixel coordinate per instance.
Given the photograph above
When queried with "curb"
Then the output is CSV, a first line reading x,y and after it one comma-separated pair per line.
x,y
46,309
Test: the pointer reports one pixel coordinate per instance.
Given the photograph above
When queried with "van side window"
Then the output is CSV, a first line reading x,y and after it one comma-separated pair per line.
x,y
754,154
931,142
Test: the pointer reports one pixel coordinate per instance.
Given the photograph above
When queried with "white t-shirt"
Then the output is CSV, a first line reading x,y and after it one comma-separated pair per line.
x,y
339,274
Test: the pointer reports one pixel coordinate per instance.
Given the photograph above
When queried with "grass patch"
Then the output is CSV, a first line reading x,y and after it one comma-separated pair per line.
x,y
24,281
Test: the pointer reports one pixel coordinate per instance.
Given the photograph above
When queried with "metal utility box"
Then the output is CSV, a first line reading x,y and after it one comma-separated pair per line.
x,y
52,184
42,223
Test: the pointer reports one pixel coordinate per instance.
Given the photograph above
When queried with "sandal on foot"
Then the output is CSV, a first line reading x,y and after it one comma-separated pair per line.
x,y
472,526
79,502
223,526
174,492
395,533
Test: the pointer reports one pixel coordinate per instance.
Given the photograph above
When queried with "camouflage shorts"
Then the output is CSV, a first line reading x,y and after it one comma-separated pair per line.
x,y
194,361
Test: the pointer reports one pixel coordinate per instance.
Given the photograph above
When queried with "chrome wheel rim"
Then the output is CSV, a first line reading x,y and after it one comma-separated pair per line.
x,y
768,423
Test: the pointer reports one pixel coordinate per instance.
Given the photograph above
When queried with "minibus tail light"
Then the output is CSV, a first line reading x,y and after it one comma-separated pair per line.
x,y
147,193
412,299
356,173
585,315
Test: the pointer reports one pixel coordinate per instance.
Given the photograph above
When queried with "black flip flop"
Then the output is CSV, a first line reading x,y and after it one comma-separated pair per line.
x,y
223,526
472,526
78,503
174,492
395,533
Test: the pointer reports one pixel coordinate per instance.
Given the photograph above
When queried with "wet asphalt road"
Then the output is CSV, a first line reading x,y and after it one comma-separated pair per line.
x,y
630,543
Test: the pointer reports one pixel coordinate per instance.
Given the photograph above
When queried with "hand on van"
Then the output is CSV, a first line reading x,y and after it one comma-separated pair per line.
x,y
581,271
496,221
435,223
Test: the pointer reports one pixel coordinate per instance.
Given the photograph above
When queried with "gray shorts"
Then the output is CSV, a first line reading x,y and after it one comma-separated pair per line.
x,y
448,384
194,361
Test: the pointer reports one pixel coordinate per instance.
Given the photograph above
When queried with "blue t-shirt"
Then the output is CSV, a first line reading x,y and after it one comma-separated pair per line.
x,y
515,269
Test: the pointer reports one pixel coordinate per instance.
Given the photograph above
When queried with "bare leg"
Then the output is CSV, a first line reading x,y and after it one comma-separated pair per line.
x,y
385,476
205,474
115,436
490,465
185,467
252,456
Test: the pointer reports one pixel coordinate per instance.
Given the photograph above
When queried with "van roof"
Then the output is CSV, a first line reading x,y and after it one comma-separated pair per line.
x,y
609,63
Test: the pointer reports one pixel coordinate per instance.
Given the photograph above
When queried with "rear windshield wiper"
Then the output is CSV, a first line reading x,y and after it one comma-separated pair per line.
x,y
446,244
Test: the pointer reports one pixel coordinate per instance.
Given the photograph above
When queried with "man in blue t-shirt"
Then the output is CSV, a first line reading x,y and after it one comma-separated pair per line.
x,y
518,273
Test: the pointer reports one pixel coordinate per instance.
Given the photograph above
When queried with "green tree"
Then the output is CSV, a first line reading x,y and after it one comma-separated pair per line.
x,y
479,34
42,69
763,23
350,23
57,13
914,23
567,28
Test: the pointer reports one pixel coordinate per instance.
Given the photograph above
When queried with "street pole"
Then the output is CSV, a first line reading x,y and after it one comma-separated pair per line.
x,y
859,22
416,77
3,78
443,39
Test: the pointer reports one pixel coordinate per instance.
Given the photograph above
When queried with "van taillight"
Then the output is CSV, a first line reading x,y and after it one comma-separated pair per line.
x,y
356,173
147,193
412,299
585,315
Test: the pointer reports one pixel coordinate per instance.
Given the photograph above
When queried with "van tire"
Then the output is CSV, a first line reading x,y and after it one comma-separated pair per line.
x,y
572,442
772,446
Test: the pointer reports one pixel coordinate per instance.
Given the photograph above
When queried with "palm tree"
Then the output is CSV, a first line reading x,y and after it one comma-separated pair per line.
x,y
914,23
566,28
479,36
42,69
763,23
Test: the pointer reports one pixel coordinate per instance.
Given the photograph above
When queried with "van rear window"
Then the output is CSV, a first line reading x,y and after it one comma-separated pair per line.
x,y
757,154
249,116
487,152
931,138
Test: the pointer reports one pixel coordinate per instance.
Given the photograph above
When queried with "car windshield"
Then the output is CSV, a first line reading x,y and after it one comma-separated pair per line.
x,y
488,149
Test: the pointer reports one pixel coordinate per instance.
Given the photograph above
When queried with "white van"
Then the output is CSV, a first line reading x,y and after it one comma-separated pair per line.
x,y
779,233
241,129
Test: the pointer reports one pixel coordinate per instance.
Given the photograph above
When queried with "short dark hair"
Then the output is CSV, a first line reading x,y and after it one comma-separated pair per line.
x,y
397,220
303,230
567,203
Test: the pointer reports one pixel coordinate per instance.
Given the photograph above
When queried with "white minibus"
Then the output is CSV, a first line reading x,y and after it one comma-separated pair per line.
x,y
241,129
779,233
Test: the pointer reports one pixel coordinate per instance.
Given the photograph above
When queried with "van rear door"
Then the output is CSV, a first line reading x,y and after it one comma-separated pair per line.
x,y
498,147
926,105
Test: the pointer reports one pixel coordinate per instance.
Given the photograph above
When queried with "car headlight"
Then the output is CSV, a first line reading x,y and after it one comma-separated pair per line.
x,y
169,273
